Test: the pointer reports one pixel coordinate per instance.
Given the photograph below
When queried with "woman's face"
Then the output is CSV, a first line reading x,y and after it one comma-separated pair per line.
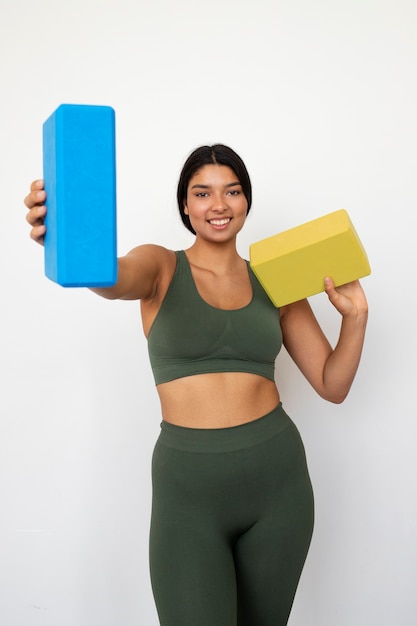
x,y
216,204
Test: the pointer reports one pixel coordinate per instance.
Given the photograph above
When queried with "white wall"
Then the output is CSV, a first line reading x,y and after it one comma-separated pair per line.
x,y
319,97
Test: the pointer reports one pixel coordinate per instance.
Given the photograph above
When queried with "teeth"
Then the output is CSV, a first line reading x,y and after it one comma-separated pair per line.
x,y
220,222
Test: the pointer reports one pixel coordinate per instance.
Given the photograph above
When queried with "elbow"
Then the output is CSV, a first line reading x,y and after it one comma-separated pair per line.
x,y
338,399
109,293
335,397
335,391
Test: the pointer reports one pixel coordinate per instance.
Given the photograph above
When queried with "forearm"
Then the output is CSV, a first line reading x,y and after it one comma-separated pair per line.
x,y
343,362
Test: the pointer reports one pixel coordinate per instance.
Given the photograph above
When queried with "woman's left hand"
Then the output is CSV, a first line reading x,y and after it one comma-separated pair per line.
x,y
348,299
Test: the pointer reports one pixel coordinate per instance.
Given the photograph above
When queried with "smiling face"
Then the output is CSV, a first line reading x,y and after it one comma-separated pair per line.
x,y
215,203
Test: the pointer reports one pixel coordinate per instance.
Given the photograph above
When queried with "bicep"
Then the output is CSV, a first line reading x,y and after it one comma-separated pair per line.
x,y
139,273
305,341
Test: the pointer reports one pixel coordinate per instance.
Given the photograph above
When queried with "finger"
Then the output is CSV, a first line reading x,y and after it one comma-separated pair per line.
x,y
36,215
37,185
38,233
37,194
35,198
329,285
335,296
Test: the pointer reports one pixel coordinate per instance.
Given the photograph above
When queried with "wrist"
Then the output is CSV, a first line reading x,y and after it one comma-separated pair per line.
x,y
356,317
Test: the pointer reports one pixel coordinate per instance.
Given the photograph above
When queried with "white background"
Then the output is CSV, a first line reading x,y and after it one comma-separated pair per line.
x,y
320,99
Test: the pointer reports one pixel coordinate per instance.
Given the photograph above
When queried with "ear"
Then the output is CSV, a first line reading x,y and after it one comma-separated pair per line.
x,y
185,209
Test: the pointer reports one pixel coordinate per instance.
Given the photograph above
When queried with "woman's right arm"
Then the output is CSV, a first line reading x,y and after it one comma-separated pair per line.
x,y
139,272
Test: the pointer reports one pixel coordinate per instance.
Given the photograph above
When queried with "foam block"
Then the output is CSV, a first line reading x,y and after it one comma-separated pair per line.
x,y
80,183
292,265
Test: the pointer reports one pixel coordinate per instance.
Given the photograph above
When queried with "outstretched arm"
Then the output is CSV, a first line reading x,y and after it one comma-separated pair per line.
x,y
330,371
139,271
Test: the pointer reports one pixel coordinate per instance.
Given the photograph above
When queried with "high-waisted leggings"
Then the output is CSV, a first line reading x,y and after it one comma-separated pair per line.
x,y
232,518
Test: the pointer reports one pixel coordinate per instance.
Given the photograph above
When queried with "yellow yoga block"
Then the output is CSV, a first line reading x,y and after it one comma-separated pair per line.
x,y
292,265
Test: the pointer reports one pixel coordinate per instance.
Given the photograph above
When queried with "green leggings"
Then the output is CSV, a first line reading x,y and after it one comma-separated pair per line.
x,y
232,519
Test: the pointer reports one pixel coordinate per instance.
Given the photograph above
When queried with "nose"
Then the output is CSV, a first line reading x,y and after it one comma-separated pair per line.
x,y
219,203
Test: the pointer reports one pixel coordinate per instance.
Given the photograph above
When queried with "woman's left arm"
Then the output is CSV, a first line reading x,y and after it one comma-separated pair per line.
x,y
329,371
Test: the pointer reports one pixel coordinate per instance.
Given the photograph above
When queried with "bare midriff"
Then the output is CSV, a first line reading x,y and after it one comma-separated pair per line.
x,y
218,400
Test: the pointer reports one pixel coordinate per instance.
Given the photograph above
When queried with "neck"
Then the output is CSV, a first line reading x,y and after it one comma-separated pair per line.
x,y
222,255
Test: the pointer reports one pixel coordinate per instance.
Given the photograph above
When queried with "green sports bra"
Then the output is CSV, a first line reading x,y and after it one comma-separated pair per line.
x,y
189,336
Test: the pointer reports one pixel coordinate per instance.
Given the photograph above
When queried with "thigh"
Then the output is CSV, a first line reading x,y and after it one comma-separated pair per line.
x,y
193,577
269,562
191,559
270,556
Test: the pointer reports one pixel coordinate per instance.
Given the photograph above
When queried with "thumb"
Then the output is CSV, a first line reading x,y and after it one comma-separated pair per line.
x,y
330,289
328,284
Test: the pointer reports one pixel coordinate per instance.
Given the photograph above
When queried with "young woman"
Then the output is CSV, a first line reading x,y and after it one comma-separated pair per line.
x,y
232,511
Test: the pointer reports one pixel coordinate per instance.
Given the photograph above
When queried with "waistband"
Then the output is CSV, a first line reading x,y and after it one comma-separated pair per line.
x,y
225,439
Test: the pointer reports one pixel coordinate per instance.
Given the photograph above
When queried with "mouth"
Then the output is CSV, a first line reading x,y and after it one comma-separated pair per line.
x,y
219,223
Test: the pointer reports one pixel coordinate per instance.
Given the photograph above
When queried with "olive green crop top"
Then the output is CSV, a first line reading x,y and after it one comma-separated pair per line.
x,y
189,336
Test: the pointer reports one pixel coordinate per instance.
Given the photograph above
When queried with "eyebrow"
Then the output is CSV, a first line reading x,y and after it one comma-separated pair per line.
x,y
199,186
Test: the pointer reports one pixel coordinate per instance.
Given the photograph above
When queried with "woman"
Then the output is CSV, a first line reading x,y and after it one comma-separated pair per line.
x,y
232,511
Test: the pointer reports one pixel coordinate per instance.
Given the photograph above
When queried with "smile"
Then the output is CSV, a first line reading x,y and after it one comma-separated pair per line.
x,y
219,222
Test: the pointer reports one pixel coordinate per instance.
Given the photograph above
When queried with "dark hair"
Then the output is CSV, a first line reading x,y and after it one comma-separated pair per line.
x,y
217,154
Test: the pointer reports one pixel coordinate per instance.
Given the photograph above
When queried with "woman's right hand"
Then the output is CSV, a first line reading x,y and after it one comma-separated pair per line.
x,y
35,202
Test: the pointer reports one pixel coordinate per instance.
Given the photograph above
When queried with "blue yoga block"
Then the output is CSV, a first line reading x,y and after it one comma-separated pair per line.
x,y
79,162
